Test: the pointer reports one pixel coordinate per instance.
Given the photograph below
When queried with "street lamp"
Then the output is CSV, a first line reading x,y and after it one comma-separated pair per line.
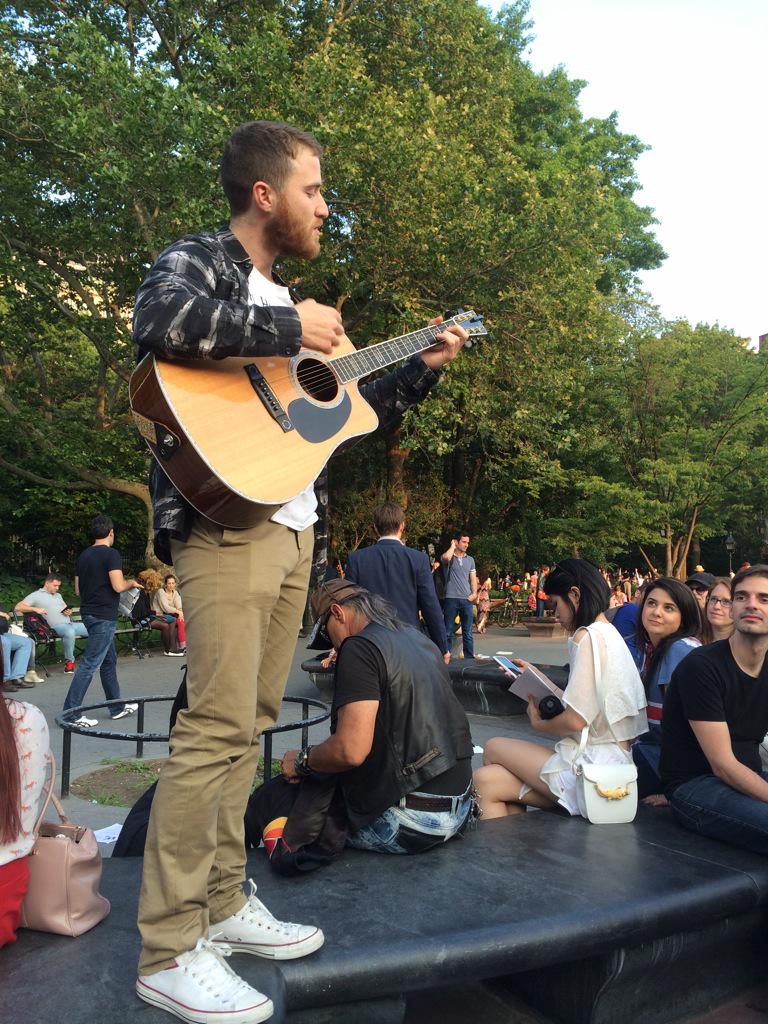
x,y
730,547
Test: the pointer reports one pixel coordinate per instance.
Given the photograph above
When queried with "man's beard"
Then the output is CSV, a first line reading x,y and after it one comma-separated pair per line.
x,y
291,236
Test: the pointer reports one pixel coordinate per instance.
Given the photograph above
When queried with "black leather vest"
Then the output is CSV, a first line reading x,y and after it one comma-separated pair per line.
x,y
425,726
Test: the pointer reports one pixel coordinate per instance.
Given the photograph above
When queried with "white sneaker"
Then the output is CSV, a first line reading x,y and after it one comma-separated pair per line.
x,y
86,723
32,677
254,930
173,654
129,709
202,988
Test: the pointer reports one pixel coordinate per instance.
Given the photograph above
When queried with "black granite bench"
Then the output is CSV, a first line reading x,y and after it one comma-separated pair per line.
x,y
479,684
640,923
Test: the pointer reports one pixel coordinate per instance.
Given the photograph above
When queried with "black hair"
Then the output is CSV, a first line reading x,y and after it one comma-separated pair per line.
x,y
100,526
458,534
594,592
690,622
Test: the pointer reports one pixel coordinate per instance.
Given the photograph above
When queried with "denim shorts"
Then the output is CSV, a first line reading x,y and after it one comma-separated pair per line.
x,y
405,830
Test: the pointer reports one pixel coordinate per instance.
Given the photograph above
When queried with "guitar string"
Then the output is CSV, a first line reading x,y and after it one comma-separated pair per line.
x,y
359,356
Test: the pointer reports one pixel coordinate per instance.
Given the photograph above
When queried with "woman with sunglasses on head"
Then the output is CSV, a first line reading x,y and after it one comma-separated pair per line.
x,y
718,620
668,628
517,774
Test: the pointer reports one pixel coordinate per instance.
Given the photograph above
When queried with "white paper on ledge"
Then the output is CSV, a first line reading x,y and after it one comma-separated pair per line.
x,y
108,834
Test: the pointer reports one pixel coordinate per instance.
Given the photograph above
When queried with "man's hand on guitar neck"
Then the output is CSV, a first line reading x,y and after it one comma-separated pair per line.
x,y
321,326
447,348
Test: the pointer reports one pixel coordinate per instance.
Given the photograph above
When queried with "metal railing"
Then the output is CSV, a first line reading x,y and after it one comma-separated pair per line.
x,y
139,737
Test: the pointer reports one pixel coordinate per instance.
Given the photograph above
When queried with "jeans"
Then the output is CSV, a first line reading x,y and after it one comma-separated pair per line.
x,y
403,830
647,756
711,807
68,631
99,654
17,651
463,608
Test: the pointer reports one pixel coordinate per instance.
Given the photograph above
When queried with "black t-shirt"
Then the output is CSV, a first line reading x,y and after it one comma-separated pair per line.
x,y
361,675
97,598
708,686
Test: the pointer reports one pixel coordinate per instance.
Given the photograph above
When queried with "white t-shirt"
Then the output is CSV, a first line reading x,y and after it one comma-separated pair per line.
x,y
301,511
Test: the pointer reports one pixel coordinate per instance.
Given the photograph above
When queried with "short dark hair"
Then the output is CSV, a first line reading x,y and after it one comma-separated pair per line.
x,y
52,576
388,518
743,574
595,594
458,534
100,526
260,151
690,622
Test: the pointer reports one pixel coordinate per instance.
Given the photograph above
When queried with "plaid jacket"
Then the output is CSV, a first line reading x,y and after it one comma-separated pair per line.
x,y
194,304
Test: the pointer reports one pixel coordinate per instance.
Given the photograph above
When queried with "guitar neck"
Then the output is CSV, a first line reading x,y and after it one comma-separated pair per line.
x,y
375,357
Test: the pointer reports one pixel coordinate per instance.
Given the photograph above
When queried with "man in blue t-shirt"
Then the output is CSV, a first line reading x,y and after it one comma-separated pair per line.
x,y
99,582
460,591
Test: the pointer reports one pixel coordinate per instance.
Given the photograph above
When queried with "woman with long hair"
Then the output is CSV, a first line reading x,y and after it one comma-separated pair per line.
x,y
24,754
517,774
483,604
166,602
668,628
143,612
718,620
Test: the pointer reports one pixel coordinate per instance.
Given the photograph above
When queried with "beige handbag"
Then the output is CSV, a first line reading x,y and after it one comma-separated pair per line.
x,y
64,874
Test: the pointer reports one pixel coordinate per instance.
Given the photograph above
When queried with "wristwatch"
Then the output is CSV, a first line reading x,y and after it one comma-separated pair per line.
x,y
301,764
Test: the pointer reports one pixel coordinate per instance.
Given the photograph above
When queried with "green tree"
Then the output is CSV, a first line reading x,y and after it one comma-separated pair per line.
x,y
458,176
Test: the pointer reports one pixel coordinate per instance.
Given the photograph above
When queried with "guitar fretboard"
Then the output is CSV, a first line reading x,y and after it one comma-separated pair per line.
x,y
376,357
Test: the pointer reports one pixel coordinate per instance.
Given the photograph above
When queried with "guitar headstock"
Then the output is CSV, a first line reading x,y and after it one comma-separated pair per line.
x,y
471,321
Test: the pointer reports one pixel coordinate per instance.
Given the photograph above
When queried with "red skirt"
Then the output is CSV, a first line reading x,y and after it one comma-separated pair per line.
x,y
14,879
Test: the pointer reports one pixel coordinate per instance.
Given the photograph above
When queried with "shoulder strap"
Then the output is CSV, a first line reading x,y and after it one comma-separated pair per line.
x,y
598,690
50,796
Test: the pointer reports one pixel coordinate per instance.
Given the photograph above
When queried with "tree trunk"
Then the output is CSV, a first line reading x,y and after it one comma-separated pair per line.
x,y
396,457
476,470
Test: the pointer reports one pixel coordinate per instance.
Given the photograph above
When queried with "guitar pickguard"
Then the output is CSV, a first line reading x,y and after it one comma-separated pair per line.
x,y
315,423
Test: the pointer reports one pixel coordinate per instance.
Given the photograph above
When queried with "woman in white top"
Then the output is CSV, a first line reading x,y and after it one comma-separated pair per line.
x,y
24,754
517,774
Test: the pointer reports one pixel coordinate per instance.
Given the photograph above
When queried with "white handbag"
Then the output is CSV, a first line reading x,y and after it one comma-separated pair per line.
x,y
607,793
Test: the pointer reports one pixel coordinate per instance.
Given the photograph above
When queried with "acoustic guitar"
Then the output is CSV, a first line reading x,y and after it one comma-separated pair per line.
x,y
239,433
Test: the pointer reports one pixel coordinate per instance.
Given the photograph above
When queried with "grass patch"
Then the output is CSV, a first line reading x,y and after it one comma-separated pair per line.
x,y
122,780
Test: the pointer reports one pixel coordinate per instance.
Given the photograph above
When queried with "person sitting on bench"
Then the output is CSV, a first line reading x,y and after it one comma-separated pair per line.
x,y
715,717
399,740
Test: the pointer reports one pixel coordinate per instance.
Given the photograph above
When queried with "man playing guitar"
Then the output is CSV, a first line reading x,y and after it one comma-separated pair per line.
x,y
207,297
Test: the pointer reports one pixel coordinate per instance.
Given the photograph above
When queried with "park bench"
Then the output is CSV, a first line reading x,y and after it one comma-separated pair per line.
x,y
642,923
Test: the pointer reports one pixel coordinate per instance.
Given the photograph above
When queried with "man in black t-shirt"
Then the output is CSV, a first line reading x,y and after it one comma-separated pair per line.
x,y
400,740
99,582
715,716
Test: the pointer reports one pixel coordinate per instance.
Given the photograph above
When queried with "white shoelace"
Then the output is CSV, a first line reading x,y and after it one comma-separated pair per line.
x,y
216,977
255,909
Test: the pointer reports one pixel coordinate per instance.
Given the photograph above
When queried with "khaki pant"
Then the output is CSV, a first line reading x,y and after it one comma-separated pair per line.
x,y
244,593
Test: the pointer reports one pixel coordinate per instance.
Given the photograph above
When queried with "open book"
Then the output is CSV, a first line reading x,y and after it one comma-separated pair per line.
x,y
530,680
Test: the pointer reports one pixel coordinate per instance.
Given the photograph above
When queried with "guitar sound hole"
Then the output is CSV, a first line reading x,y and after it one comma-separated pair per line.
x,y
318,380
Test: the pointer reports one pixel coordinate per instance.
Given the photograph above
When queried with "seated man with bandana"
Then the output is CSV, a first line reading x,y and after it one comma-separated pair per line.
x,y
400,743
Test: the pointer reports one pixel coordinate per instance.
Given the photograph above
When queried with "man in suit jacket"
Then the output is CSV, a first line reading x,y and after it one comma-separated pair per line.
x,y
400,574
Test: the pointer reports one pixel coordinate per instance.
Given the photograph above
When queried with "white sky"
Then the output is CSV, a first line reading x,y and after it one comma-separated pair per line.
x,y
685,77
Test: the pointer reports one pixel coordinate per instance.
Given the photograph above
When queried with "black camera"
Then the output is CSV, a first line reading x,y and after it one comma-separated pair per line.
x,y
551,706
